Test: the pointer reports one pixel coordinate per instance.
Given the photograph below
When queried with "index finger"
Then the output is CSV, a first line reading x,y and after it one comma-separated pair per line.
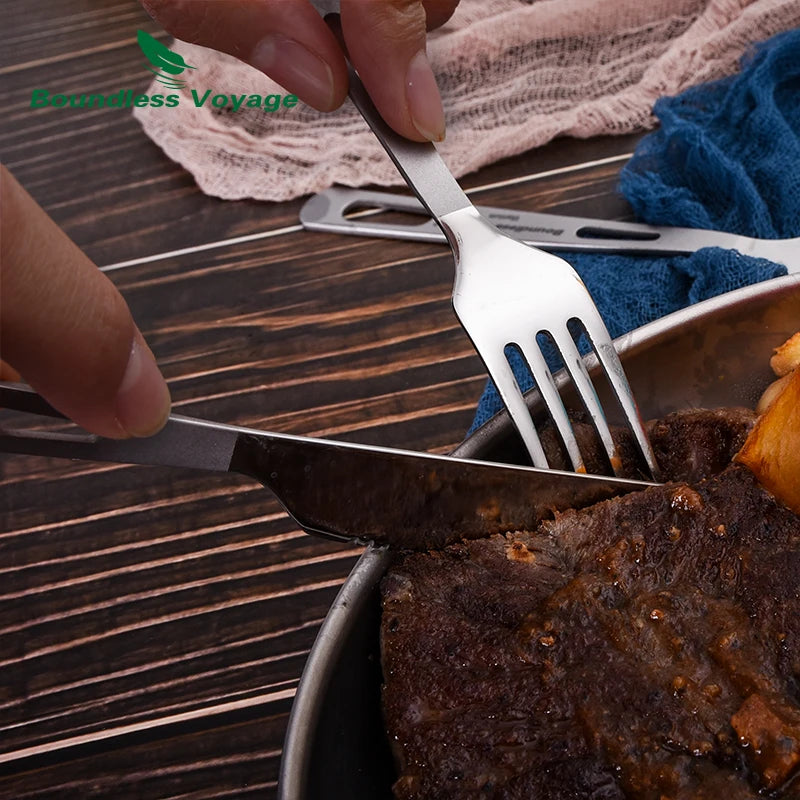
x,y
386,41
285,39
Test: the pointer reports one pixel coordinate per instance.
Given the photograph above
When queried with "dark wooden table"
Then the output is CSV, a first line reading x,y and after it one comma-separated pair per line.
x,y
154,623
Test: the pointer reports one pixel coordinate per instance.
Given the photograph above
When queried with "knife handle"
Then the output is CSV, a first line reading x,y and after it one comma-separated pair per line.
x,y
182,442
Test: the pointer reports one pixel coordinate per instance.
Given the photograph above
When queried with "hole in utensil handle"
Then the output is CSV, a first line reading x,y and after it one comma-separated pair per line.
x,y
587,232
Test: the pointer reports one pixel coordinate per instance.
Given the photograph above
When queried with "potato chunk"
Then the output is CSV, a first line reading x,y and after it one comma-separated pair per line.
x,y
772,392
787,356
772,450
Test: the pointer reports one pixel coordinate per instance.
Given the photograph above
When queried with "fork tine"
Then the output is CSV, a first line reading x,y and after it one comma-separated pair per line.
x,y
555,406
576,368
506,384
608,358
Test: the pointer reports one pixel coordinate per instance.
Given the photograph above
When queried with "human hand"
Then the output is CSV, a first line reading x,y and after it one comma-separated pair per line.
x,y
67,331
289,41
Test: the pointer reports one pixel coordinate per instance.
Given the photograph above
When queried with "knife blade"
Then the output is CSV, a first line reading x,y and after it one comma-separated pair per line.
x,y
339,490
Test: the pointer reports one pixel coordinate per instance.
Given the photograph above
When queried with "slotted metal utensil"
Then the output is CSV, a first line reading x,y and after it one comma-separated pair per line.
x,y
339,490
329,211
508,295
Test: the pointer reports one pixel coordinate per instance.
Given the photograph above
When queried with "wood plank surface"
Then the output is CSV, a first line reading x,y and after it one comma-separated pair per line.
x,y
155,622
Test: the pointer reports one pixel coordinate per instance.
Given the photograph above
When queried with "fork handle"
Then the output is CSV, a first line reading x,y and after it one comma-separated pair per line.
x,y
418,162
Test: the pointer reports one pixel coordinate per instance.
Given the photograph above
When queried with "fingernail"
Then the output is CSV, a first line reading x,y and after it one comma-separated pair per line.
x,y
424,101
143,401
297,69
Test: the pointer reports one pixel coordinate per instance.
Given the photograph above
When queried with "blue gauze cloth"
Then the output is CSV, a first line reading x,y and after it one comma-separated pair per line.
x,y
725,157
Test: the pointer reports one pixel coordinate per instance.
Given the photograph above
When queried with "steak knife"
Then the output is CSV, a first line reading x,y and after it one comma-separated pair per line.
x,y
343,491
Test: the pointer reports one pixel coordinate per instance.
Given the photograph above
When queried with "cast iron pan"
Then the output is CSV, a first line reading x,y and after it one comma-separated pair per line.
x,y
713,354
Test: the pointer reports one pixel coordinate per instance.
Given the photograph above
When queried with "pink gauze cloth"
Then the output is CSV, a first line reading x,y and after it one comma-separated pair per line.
x,y
513,76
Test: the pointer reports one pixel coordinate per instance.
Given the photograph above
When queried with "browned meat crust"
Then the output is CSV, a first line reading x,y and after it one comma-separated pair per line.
x,y
689,445
646,647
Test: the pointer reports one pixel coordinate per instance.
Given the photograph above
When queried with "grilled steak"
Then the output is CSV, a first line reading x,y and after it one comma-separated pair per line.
x,y
689,445
646,647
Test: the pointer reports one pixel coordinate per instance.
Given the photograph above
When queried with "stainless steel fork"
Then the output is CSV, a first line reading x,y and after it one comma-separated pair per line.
x,y
507,294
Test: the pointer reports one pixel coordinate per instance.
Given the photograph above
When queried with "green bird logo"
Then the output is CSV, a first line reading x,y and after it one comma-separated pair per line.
x,y
164,64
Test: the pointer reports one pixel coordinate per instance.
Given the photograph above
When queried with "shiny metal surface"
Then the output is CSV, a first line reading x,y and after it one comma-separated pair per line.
x,y
394,497
328,211
183,442
326,7
506,294
418,162
713,354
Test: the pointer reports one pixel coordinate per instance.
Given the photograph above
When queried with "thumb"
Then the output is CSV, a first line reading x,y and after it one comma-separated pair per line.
x,y
386,43
66,329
